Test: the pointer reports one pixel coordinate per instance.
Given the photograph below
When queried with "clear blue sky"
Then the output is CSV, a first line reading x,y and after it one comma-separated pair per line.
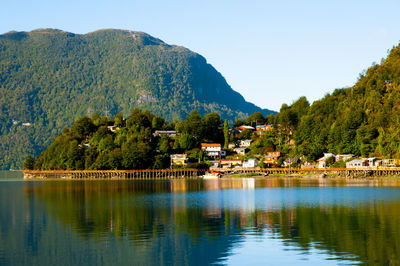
x,y
272,52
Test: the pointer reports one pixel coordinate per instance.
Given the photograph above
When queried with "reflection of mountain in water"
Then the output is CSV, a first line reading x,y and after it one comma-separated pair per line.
x,y
137,222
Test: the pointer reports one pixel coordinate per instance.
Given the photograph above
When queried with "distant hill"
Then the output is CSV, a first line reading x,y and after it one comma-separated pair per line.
x,y
49,78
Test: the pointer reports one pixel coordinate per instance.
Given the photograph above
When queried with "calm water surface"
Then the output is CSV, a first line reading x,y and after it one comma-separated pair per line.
x,y
179,222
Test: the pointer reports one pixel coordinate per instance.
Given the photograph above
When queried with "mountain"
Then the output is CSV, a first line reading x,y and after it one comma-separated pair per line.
x,y
362,120
49,78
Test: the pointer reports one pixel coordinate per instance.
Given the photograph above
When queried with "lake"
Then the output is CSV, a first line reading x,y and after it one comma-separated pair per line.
x,y
180,222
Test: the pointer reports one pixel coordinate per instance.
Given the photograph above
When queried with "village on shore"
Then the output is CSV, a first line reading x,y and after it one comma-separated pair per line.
x,y
235,156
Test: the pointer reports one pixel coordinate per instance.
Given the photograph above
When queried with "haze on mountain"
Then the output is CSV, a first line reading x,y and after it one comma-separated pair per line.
x,y
49,78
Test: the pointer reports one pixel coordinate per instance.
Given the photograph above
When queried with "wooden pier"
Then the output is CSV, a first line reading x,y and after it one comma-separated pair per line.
x,y
339,172
155,174
114,174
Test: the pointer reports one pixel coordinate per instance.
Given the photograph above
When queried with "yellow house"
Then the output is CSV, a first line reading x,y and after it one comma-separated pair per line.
x,y
179,159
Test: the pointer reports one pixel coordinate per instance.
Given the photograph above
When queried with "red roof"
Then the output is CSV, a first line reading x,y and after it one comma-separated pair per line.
x,y
210,145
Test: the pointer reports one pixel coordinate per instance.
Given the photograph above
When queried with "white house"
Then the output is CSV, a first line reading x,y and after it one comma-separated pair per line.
x,y
322,161
250,163
245,143
213,149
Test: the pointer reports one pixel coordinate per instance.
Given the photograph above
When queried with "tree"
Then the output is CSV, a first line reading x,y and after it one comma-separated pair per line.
x,y
226,134
29,162
255,119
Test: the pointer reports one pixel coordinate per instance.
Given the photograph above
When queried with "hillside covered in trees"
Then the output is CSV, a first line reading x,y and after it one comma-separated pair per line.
x,y
90,144
49,78
362,120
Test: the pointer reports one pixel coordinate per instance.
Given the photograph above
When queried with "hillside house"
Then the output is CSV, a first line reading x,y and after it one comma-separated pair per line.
x,y
231,145
245,143
213,149
322,161
250,163
228,163
179,159
113,128
169,133
244,127
263,128
240,151
272,158
343,157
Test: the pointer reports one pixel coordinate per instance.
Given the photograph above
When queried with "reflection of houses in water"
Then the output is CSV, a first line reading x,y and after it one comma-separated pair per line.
x,y
178,185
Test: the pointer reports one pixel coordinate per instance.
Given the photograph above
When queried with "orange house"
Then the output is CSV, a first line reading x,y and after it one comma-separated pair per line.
x,y
272,158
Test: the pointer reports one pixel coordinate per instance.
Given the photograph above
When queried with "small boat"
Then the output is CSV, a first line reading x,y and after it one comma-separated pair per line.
x,y
212,175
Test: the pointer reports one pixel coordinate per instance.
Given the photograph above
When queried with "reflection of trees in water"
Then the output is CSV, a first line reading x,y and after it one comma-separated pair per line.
x,y
369,231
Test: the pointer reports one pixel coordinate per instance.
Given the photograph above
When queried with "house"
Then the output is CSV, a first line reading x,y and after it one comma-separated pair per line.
x,y
113,128
244,127
263,128
240,151
230,162
322,161
245,143
309,165
169,133
231,145
250,163
343,157
272,158
179,159
357,163
213,149
289,161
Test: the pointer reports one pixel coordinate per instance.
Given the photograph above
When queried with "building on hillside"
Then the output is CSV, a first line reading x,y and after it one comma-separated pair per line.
x,y
309,165
169,133
213,149
263,128
244,127
272,158
113,128
245,143
343,157
322,161
240,151
250,163
290,161
231,145
179,159
357,163
228,163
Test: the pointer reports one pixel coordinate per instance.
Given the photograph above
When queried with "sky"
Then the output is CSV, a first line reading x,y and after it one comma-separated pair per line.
x,y
272,52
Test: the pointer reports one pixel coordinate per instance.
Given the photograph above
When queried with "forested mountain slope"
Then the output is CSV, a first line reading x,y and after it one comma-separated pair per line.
x,y
49,78
362,120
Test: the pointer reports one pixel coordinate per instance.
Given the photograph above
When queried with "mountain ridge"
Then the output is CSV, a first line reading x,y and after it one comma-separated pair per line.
x,y
50,77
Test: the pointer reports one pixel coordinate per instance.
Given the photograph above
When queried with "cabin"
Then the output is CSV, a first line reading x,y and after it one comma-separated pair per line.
x,y
357,163
322,161
240,151
343,157
263,128
245,143
229,163
272,158
113,128
169,133
289,161
213,149
244,127
179,159
250,163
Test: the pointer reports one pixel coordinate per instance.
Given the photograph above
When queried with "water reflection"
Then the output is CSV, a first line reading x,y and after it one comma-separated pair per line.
x,y
178,221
